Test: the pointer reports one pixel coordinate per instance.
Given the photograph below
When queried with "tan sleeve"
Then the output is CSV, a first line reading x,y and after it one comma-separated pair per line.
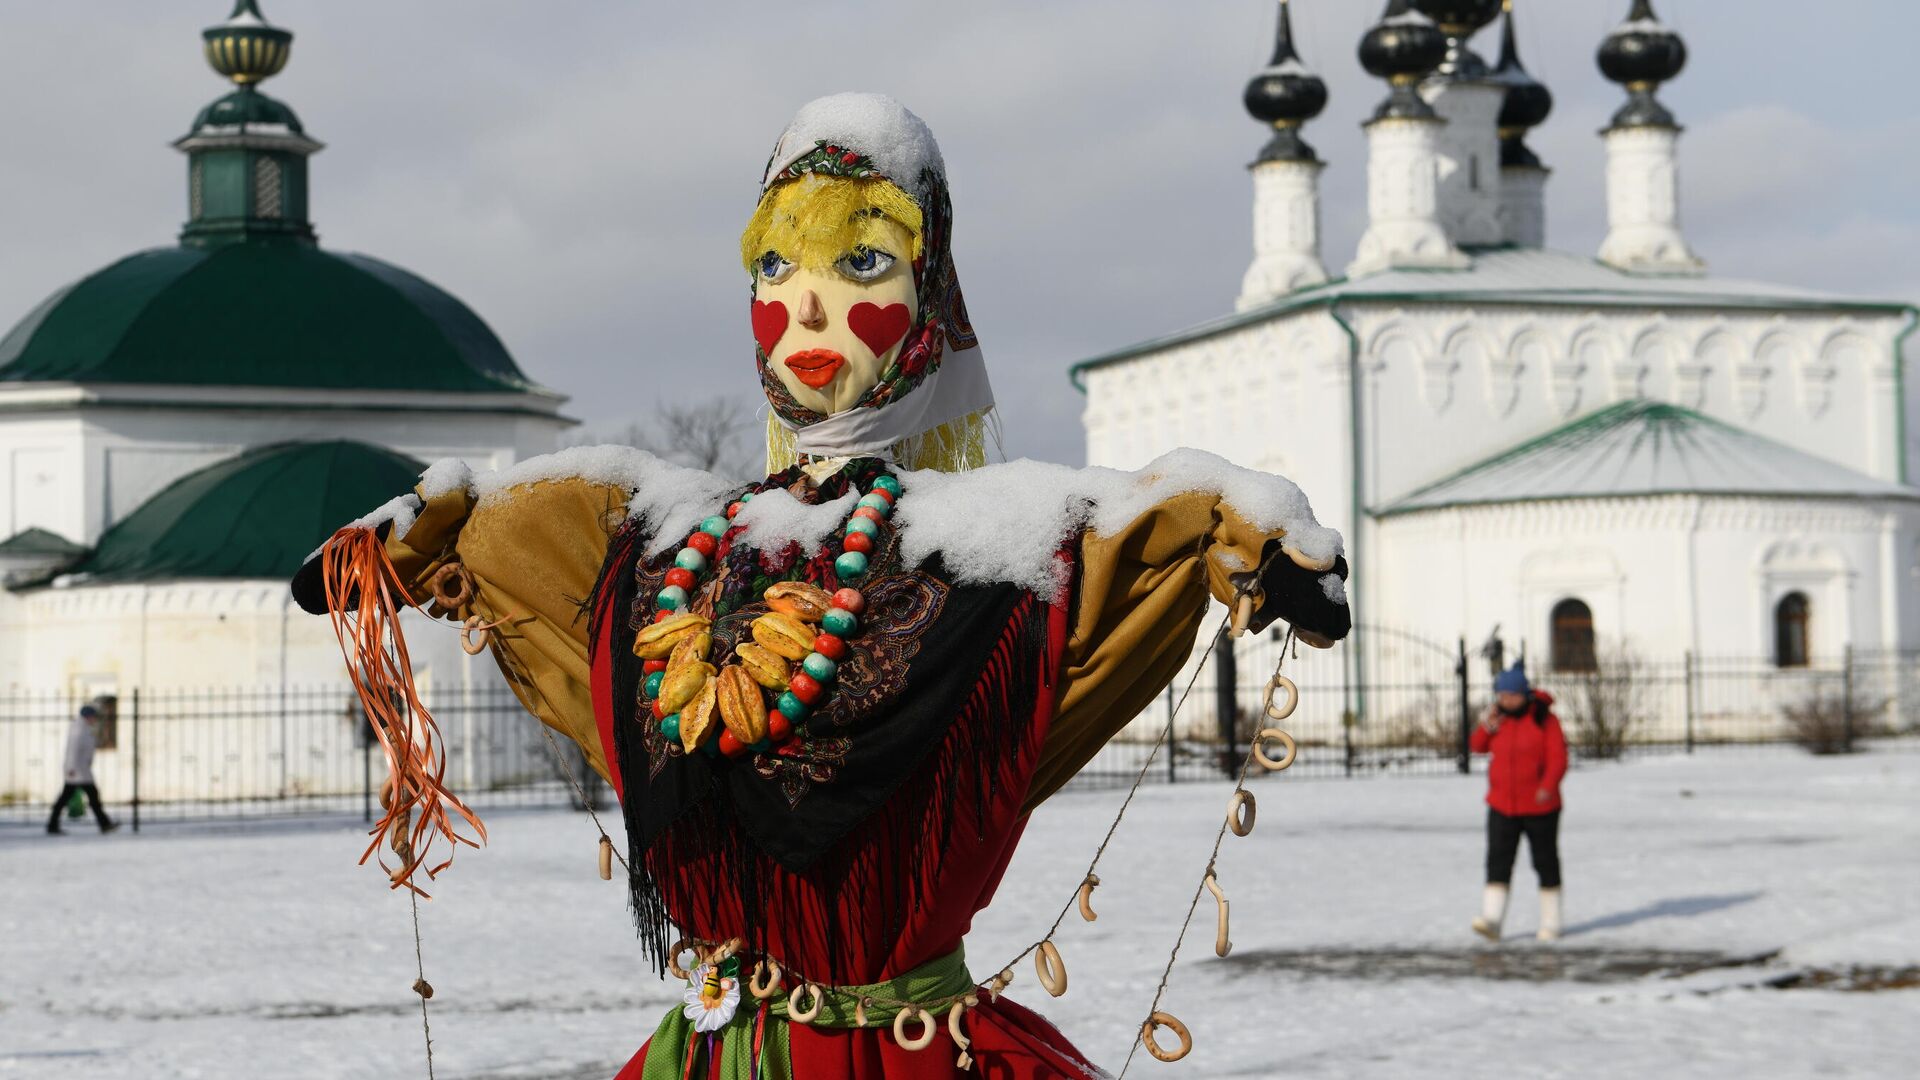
x,y
1142,594
534,553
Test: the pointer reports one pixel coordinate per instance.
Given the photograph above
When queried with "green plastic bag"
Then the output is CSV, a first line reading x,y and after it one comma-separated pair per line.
x,y
77,805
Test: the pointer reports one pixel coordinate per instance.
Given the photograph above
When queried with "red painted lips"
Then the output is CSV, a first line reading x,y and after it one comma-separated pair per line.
x,y
815,367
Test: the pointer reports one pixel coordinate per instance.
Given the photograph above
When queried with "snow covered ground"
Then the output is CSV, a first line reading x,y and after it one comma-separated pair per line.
x,y
268,953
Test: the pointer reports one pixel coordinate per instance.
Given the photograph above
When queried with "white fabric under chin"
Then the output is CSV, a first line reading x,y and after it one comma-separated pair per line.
x,y
958,388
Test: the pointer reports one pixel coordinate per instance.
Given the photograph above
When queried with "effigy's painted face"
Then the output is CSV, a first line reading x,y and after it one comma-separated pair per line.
x,y
830,333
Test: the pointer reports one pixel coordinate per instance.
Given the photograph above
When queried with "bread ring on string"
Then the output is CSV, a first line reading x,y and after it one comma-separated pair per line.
x,y
797,1015
1221,946
764,990
1241,812
928,1028
474,625
673,958
1086,897
1051,969
1173,1024
1281,682
860,1012
606,857
451,587
1260,755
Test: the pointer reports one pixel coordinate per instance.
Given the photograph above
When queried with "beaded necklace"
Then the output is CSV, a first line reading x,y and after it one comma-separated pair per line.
x,y
685,693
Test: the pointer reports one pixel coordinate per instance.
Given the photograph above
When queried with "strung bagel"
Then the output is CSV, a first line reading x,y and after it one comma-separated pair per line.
x,y
1086,897
1268,762
673,958
606,858
451,587
795,1013
928,1028
762,990
1240,812
1051,969
1173,1024
1277,683
860,1012
1221,945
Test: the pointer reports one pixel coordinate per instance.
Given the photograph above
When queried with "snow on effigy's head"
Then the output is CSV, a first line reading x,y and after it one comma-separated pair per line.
x,y
899,144
670,500
1005,523
1334,588
774,519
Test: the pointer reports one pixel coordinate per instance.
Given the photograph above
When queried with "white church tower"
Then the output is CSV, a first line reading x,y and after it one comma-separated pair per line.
x,y
1523,178
1464,93
1286,176
1404,230
1643,171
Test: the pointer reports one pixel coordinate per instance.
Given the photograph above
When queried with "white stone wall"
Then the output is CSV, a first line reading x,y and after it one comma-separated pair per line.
x,y
1469,153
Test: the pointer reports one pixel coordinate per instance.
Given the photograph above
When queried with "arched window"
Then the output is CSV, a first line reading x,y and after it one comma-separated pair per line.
x,y
1790,616
1573,637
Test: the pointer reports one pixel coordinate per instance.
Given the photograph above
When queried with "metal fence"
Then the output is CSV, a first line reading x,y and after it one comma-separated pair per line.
x,y
1387,702
1383,703
236,753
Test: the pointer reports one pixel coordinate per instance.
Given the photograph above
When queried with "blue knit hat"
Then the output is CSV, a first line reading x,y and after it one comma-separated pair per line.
x,y
1513,680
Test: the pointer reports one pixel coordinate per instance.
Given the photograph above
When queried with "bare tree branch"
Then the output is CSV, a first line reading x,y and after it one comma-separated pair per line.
x,y
715,435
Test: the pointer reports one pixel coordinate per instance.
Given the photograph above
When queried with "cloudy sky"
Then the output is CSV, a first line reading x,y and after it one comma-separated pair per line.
x,y
578,170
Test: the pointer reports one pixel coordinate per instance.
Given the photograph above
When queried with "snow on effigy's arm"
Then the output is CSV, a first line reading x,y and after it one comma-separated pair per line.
x,y
1005,523
775,518
401,512
670,500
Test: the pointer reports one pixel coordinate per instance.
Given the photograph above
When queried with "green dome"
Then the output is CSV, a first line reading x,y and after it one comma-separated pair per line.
x,y
258,514
259,314
247,107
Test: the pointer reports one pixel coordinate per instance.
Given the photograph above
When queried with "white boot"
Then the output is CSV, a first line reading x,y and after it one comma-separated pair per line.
x,y
1549,914
1493,911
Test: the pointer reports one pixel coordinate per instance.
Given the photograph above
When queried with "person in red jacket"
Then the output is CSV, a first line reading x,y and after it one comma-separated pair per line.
x,y
1523,796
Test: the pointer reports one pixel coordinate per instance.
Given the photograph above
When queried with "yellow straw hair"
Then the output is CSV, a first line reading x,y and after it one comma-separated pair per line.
x,y
814,221
952,447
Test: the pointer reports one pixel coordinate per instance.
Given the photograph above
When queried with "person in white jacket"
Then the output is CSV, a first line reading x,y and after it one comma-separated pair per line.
x,y
81,740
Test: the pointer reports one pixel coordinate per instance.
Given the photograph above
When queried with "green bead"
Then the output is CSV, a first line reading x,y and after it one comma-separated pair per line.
x,y
670,726
887,484
763,746
878,504
691,560
671,598
839,621
715,526
821,668
748,497
653,683
863,525
850,564
791,706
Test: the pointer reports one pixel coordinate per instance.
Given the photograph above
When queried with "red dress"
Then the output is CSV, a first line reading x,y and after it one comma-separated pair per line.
x,y
1008,1041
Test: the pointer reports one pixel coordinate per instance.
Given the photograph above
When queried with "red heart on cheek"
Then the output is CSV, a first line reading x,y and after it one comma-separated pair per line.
x,y
881,328
769,323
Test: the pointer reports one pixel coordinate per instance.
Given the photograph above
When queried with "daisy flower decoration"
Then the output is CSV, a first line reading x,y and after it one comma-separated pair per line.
x,y
712,999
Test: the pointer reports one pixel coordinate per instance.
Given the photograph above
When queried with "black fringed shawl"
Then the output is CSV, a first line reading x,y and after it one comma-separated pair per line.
x,y
937,691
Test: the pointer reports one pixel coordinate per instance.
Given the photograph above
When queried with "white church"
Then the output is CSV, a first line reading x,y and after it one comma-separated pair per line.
x,y
1574,448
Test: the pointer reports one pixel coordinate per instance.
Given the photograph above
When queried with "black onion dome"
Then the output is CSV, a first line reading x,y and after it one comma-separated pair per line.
x,y
1640,54
1286,94
1459,20
1527,104
1402,48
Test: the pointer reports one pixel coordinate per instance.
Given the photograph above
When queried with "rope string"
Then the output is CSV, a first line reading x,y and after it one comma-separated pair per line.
x,y
422,987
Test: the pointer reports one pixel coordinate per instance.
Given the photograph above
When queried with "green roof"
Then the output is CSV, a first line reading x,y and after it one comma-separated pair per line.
x,y
38,543
247,107
258,514
259,314
1642,448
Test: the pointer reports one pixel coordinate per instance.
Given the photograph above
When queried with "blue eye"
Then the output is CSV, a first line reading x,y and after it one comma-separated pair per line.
x,y
864,264
774,269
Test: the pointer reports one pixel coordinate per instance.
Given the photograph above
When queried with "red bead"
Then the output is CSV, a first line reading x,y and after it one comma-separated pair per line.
x,y
859,542
883,493
734,508
652,666
830,646
849,158
683,578
870,514
731,746
658,712
850,600
704,543
664,614
833,151
779,728
806,687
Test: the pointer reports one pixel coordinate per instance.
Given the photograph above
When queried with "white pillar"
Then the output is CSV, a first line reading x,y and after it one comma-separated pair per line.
x,y
1286,232
1469,150
1523,205
1643,202
1403,199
